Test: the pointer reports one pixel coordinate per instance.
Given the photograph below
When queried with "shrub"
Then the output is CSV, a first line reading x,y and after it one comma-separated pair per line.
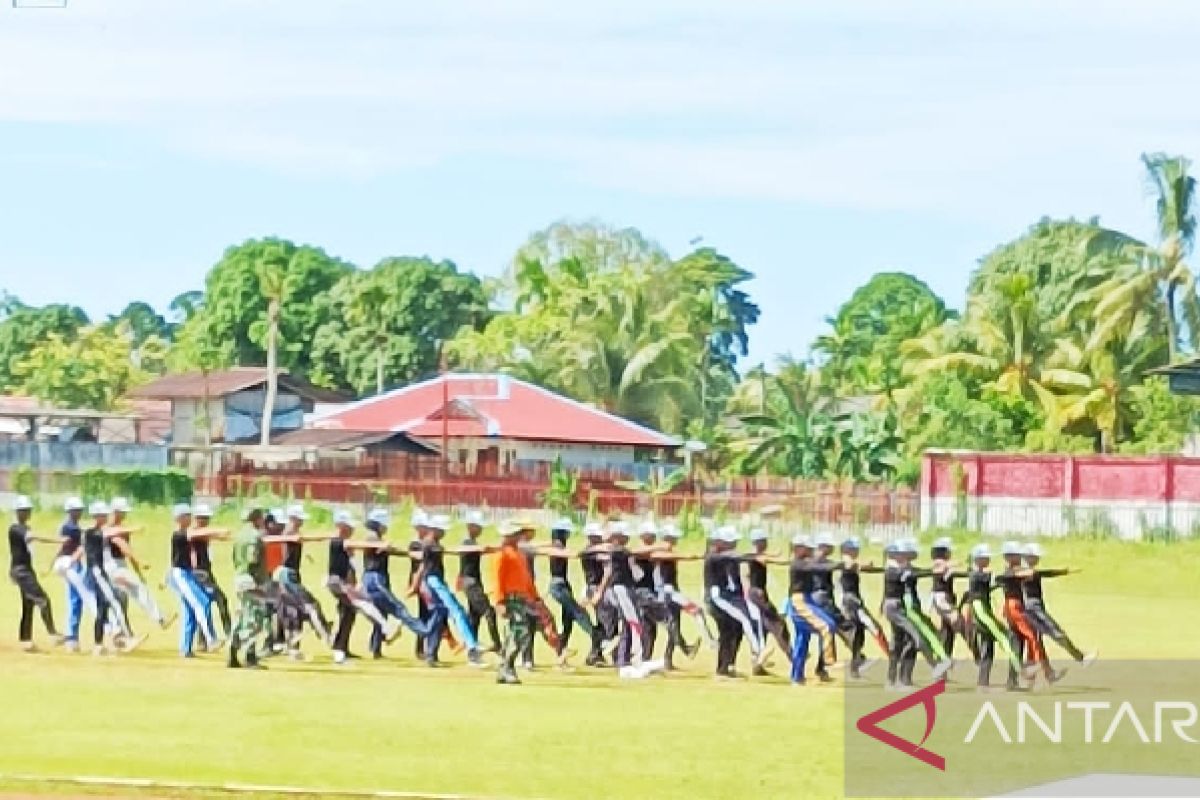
x,y
147,486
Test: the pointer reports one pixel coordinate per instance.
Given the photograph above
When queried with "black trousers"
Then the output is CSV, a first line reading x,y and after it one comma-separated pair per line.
x,y
729,638
479,609
345,624
32,595
1046,625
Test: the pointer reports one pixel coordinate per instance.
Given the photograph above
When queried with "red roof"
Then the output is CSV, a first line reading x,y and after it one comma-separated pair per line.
x,y
490,405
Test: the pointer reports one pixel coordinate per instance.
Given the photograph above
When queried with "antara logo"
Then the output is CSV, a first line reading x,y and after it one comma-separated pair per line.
x,y
869,724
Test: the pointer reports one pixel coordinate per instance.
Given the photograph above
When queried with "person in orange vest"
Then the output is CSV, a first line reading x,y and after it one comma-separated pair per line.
x,y
514,599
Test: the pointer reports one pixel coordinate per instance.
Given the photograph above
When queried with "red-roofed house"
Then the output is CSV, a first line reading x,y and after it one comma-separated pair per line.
x,y
500,423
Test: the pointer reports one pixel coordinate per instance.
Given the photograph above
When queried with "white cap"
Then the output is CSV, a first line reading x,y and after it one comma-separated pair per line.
x,y
671,531
1033,549
648,528
509,528
73,504
379,516
1011,548
475,517
981,551
419,518
120,504
593,530
277,514
439,522
99,508
908,546
22,503
180,510
758,535
343,517
729,534
825,538
201,510
800,540
943,543
563,524
297,512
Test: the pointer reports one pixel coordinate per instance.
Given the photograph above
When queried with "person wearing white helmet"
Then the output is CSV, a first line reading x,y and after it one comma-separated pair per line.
x,y
651,608
917,616
945,601
808,616
763,614
981,625
854,609
441,603
1035,604
418,520
341,581
125,568
617,586
470,581
727,595
559,557
23,576
1022,635
668,558
377,580
68,565
200,535
592,559
297,602
195,607
108,609
899,592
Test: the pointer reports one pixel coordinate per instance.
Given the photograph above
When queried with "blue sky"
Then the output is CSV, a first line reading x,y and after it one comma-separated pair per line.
x,y
815,143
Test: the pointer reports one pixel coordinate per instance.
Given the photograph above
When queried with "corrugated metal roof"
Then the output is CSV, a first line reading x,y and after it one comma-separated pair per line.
x,y
192,385
346,440
491,405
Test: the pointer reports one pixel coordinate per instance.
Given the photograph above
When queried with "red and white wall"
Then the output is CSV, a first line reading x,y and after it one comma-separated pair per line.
x,y
1053,495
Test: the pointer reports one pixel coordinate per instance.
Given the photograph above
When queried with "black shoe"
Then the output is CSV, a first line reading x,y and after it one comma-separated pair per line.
x,y
760,671
353,657
824,677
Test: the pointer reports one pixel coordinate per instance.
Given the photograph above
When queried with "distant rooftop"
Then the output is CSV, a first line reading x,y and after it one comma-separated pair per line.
x,y
220,383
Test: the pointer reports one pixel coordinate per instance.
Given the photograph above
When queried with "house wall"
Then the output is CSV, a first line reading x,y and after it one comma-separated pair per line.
x,y
465,450
187,421
237,417
72,456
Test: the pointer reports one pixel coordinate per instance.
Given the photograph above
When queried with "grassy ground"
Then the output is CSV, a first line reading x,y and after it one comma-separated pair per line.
x,y
395,725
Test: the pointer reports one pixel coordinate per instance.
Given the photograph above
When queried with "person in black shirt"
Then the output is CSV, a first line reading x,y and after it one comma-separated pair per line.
x,y
342,584
723,587
805,578
470,581
560,589
108,608
443,605
1035,606
124,568
293,592
377,581
195,609
22,574
68,565
1022,637
854,609
651,608
592,559
202,569
618,584
763,613
945,601
901,608
667,560
981,624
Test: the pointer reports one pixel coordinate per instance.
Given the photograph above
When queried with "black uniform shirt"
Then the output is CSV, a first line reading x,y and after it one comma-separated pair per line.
x,y
434,556
339,560
72,536
18,545
622,570
93,548
181,551
469,563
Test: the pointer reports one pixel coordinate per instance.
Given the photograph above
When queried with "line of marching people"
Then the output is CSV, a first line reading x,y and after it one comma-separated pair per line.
x,y
631,593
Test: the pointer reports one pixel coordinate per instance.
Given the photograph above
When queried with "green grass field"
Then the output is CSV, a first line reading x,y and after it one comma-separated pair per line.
x,y
396,725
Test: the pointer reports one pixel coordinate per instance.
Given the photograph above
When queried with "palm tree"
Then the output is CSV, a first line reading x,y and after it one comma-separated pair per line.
x,y
272,285
1152,275
999,339
1095,385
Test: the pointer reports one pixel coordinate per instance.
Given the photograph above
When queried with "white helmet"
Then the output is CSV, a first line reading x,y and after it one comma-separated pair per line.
x,y
198,510
73,504
825,538
758,535
99,508
475,517
1011,548
120,504
1033,550
22,503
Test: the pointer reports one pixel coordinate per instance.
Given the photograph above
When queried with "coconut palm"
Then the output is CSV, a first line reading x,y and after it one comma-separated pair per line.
x,y
272,283
999,340
1152,275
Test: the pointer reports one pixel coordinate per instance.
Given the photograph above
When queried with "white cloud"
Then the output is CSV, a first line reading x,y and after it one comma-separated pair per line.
x,y
874,104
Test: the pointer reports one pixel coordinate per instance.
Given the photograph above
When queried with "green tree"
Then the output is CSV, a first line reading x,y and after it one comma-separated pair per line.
x,y
24,327
861,353
234,303
1162,421
386,325
144,322
91,370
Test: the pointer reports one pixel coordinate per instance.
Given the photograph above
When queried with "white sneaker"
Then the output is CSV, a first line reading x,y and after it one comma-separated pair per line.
x,y
1089,659
72,646
339,657
29,647
630,672
99,650
651,667
132,644
942,668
